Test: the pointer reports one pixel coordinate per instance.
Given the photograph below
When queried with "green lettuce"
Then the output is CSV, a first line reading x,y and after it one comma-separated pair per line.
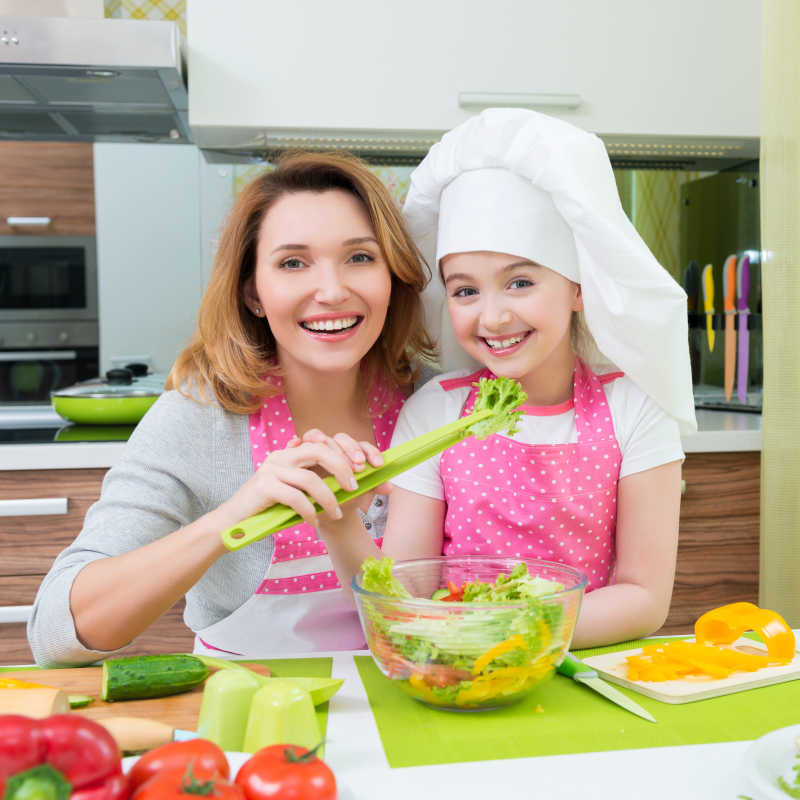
x,y
500,396
376,576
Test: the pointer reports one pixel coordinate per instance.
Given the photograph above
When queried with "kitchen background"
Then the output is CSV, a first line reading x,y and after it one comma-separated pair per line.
x,y
159,208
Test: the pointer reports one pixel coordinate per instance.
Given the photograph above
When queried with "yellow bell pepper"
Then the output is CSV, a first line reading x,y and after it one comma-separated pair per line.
x,y
492,653
726,624
13,683
705,656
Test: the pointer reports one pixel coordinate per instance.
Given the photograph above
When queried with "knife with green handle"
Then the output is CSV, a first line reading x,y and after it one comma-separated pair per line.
x,y
574,668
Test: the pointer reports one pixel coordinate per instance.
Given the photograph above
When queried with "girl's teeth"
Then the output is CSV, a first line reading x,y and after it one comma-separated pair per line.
x,y
331,324
498,344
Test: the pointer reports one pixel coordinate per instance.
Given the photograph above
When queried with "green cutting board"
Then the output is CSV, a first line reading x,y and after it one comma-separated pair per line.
x,y
562,716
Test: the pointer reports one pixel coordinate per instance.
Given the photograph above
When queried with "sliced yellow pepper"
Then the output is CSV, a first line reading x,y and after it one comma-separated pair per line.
x,y
13,683
492,653
726,624
720,626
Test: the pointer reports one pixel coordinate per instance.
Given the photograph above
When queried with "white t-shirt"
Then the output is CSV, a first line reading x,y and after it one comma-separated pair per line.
x,y
646,435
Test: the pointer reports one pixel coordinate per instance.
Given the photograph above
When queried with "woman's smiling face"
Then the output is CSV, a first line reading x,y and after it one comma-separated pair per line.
x,y
320,280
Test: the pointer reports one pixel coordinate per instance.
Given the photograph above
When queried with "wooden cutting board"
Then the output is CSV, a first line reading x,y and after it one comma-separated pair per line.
x,y
611,667
177,710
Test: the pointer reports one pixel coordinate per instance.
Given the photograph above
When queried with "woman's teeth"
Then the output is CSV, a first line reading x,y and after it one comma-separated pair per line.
x,y
499,344
330,324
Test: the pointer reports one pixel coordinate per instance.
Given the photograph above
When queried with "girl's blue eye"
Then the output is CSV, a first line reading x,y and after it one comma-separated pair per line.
x,y
520,283
467,291
292,263
361,258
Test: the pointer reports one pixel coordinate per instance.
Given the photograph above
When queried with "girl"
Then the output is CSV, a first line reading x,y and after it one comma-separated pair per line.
x,y
532,245
312,317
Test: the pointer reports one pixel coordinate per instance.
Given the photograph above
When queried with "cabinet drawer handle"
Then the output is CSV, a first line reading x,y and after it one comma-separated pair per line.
x,y
39,506
683,487
28,222
518,99
9,614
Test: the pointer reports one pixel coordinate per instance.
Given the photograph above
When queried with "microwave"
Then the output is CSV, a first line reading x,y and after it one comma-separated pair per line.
x,y
49,332
48,291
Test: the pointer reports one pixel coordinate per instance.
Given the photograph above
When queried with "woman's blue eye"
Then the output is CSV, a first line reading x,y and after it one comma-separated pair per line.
x,y
292,263
520,283
361,258
467,291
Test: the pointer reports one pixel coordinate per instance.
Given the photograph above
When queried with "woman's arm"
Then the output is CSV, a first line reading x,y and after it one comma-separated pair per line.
x,y
637,603
113,600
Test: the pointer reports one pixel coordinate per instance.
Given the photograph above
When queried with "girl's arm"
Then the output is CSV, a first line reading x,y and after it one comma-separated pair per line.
x,y
114,599
637,603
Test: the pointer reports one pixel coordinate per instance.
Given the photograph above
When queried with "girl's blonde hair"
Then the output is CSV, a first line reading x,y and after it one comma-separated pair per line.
x,y
232,352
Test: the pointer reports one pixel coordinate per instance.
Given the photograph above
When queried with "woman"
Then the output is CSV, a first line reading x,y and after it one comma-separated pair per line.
x,y
311,320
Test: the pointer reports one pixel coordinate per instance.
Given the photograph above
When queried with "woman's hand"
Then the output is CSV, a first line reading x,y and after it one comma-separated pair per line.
x,y
288,476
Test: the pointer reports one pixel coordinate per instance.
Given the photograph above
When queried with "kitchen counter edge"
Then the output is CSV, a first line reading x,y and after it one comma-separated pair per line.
x,y
719,432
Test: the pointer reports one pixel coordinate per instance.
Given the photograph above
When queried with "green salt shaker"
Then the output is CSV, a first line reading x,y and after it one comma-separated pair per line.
x,y
225,707
281,713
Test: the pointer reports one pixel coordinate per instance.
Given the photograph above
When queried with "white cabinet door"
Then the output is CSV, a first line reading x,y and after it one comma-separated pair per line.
x,y
683,67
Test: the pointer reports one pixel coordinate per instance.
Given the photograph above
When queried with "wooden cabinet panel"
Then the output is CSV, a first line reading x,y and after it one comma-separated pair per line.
x,y
47,179
718,546
29,545
168,635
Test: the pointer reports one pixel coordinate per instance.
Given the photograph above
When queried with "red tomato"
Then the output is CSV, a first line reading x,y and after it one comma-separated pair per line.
x,y
286,772
207,761
181,784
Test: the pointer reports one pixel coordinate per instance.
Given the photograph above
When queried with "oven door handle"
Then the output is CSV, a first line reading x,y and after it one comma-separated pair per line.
x,y
38,355
28,222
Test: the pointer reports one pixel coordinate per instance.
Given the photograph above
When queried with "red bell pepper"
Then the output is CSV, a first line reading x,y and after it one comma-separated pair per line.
x,y
59,757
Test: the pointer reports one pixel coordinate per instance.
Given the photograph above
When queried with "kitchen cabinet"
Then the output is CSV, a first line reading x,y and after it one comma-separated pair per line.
x,y
621,68
47,181
29,543
718,546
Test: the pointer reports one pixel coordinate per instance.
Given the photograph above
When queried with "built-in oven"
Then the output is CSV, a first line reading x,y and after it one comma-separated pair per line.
x,y
48,315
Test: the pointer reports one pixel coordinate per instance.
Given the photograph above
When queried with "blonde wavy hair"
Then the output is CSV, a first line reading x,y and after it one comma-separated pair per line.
x,y
232,352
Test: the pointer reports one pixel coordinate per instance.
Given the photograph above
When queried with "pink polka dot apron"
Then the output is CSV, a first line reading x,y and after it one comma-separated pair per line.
x,y
299,607
553,501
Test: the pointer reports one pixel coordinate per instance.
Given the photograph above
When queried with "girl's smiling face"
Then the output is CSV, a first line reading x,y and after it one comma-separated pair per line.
x,y
320,280
511,314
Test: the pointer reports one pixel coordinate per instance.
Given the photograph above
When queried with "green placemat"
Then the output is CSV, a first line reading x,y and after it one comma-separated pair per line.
x,y
280,668
561,716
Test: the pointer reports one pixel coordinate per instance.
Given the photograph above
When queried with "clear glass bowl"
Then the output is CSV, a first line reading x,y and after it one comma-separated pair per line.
x,y
469,656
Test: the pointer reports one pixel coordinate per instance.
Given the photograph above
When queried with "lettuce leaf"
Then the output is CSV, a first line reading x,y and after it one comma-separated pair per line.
x,y
501,396
376,576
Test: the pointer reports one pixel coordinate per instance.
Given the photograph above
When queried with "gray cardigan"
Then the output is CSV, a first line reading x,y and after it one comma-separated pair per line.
x,y
181,462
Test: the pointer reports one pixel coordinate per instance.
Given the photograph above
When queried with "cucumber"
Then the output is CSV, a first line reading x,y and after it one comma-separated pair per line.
x,y
140,677
79,700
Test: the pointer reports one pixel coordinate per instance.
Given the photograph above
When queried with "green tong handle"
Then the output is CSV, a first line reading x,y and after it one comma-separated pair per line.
x,y
395,461
571,665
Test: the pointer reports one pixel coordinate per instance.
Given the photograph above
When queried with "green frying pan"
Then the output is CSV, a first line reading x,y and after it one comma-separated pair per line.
x,y
120,399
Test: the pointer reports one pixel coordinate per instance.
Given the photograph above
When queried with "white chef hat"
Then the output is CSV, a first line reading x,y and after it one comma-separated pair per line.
x,y
519,182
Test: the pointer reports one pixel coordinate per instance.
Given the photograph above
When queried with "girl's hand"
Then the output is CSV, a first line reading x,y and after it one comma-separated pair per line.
x,y
358,453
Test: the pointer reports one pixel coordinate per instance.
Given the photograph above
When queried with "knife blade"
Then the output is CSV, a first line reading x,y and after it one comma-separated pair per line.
x,y
743,293
575,668
729,290
708,303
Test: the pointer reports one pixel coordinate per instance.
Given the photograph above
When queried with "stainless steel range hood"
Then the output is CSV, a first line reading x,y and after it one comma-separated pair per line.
x,y
84,79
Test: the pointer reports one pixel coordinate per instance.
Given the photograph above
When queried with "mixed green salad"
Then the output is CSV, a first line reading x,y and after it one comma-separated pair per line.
x,y
483,656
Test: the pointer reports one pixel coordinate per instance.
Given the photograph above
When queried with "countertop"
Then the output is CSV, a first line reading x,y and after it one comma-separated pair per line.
x,y
718,431
716,771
